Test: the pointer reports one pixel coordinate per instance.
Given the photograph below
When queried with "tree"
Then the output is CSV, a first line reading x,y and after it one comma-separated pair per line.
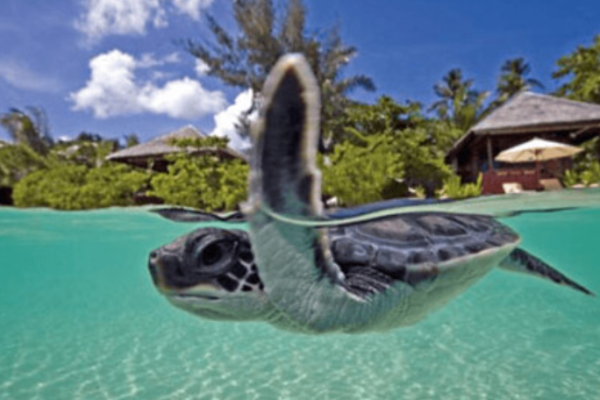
x,y
362,173
131,140
264,36
387,149
513,79
459,103
30,128
384,117
582,68
87,148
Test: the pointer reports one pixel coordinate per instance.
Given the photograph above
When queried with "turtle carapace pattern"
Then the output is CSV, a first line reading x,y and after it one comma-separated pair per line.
x,y
298,273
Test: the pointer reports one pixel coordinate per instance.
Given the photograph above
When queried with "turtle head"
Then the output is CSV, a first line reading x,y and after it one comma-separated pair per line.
x,y
211,273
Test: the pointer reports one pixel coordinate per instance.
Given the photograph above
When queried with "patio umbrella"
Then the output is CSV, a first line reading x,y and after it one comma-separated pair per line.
x,y
537,150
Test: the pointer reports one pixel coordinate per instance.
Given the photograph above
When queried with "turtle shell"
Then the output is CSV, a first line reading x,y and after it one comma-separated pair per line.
x,y
393,248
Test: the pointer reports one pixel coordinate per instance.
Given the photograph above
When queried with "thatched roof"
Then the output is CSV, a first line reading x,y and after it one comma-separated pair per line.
x,y
160,146
528,110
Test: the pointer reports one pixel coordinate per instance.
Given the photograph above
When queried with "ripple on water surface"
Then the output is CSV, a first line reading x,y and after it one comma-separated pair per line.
x,y
80,320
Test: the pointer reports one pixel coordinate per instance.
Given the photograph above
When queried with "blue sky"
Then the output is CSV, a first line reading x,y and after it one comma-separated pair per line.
x,y
115,67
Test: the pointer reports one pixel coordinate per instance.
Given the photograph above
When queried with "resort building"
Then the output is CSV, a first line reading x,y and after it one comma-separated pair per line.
x,y
152,154
524,117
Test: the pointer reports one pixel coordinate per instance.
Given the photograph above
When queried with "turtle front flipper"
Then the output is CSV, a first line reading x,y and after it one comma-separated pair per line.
x,y
521,261
296,266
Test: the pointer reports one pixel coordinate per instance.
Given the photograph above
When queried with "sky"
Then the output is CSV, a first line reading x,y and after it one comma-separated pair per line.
x,y
116,67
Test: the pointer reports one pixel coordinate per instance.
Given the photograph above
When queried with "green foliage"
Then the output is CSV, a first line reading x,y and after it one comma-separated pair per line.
x,y
586,165
588,157
455,190
582,68
382,118
423,166
112,185
83,151
204,182
16,162
587,177
570,178
77,187
415,144
359,174
441,136
591,175
55,188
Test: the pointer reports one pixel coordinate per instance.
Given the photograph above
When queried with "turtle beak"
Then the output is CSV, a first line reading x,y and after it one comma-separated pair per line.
x,y
165,268
155,266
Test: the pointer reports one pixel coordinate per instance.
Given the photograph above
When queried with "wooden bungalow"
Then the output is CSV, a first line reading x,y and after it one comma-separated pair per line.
x,y
526,116
152,154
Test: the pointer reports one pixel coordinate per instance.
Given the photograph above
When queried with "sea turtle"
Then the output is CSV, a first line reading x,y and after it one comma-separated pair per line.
x,y
303,271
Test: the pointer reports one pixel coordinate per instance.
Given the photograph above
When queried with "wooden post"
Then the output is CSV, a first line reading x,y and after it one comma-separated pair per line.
x,y
489,153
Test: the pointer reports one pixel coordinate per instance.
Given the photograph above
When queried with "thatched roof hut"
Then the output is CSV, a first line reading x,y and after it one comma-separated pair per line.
x,y
152,154
525,116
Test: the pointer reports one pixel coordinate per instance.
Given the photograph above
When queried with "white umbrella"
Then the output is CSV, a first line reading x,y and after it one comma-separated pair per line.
x,y
537,150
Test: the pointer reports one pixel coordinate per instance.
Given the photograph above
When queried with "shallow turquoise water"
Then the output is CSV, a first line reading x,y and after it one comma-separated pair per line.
x,y
79,319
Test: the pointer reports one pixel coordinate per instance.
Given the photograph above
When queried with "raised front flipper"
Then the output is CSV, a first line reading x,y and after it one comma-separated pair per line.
x,y
300,277
521,261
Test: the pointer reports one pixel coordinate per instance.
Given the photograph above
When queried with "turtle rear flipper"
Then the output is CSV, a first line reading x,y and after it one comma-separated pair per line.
x,y
521,261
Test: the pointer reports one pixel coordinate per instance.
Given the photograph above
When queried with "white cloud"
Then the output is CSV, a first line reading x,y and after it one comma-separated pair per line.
x,y
114,90
183,98
131,17
118,17
22,77
148,60
201,68
192,7
227,120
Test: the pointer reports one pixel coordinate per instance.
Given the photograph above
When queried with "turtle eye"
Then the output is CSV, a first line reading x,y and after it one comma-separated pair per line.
x,y
212,254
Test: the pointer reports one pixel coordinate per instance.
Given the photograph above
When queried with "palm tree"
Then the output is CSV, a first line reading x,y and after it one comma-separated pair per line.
x,y
513,79
459,103
131,140
265,35
29,128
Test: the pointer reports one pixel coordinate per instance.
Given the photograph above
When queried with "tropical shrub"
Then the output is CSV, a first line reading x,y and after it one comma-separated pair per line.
x,y
570,178
16,161
112,185
591,175
455,190
205,182
76,187
362,174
